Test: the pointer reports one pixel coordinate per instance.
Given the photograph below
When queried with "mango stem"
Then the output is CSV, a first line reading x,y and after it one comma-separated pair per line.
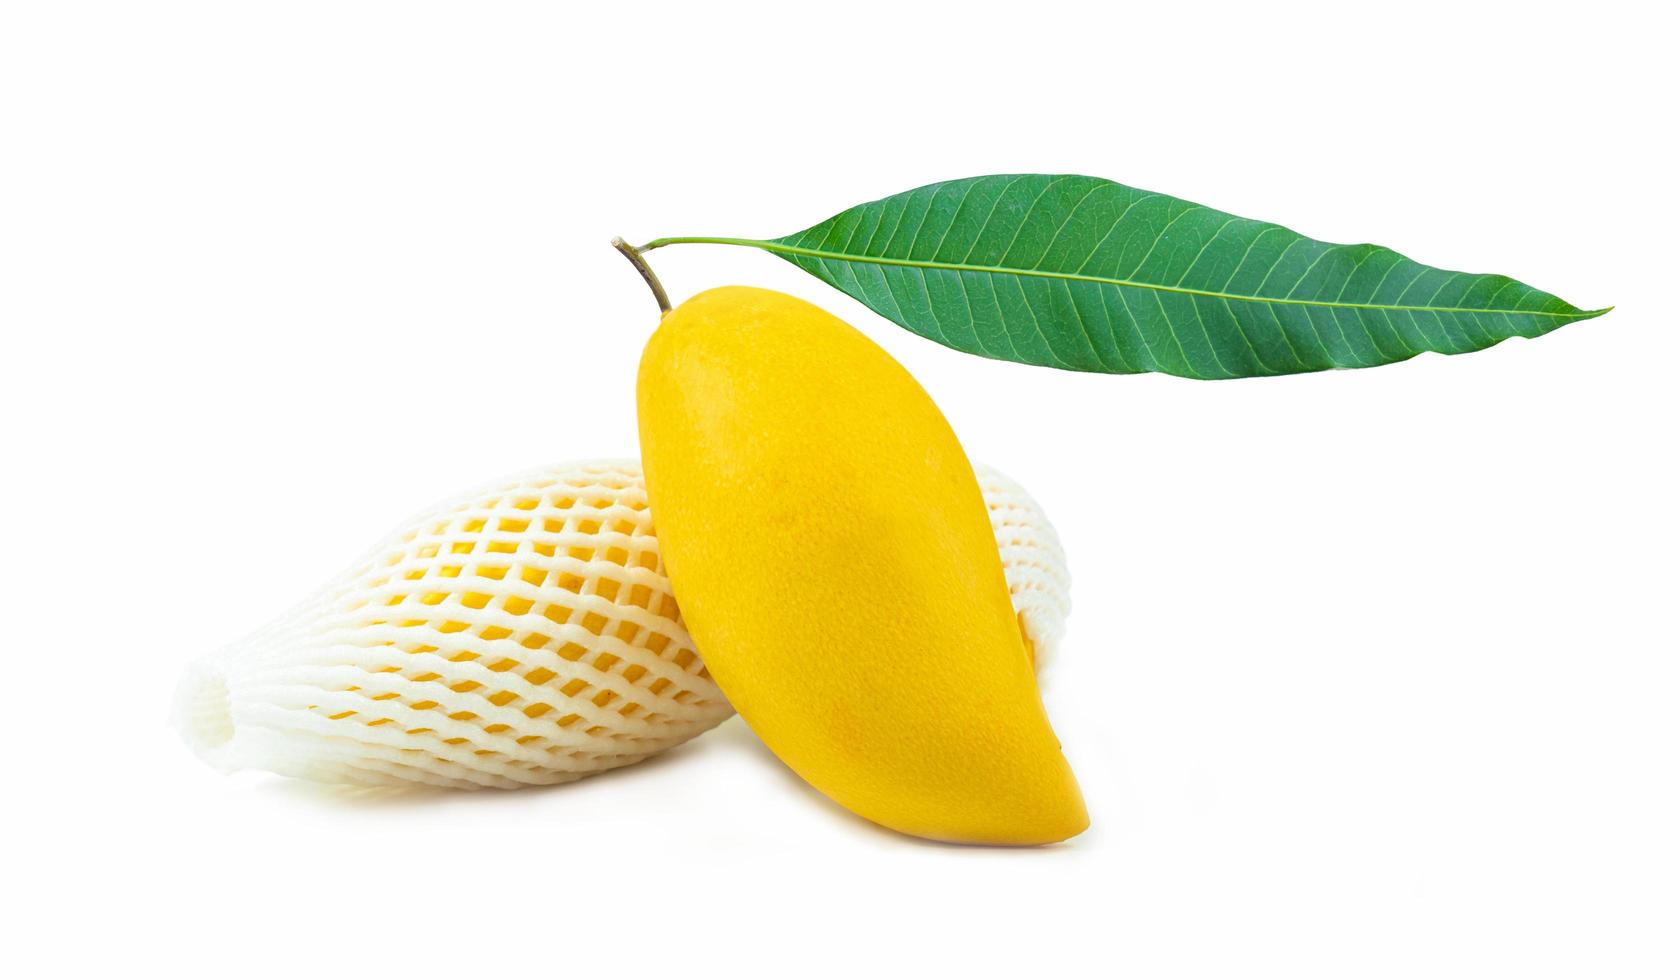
x,y
634,254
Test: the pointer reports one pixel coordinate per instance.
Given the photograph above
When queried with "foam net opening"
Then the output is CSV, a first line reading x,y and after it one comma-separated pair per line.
x,y
204,711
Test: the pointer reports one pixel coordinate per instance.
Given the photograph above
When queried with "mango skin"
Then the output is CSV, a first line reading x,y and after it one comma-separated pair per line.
x,y
829,547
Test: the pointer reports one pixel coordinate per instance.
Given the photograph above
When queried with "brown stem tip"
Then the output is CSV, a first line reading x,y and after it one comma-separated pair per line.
x,y
635,256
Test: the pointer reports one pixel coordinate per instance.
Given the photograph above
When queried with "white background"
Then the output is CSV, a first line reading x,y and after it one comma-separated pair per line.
x,y
1370,674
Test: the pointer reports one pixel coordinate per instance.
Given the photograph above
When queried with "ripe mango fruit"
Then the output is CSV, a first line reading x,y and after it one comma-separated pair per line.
x,y
520,634
891,673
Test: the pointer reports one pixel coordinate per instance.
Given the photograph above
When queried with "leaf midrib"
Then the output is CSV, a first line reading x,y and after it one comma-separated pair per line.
x,y
769,246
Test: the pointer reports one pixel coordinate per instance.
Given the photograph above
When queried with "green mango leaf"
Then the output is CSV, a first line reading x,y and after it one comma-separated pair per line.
x,y
1086,274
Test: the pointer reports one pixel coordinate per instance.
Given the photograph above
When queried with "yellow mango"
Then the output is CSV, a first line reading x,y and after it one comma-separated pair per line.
x,y
890,673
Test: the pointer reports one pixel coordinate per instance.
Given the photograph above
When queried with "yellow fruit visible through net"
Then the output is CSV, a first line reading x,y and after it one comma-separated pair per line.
x,y
523,633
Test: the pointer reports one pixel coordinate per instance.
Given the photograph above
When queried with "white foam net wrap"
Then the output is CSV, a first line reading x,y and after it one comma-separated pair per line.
x,y
521,634
1033,562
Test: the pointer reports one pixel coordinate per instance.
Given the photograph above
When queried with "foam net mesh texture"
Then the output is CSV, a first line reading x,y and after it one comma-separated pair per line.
x,y
521,634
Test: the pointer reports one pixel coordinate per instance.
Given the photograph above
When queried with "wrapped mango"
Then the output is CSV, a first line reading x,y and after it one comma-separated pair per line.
x,y
524,633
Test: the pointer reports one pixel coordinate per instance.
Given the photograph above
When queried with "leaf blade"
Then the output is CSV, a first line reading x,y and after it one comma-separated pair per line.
x,y
1086,274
